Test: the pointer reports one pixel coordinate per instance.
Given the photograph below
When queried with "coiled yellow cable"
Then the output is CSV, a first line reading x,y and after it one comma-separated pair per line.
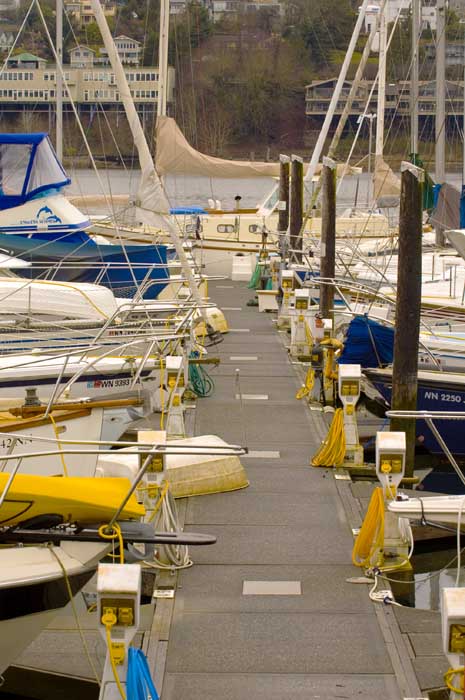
x,y
333,447
448,676
370,539
307,388
113,535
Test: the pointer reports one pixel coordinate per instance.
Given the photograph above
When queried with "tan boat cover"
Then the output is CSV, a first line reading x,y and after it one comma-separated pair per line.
x,y
385,182
176,156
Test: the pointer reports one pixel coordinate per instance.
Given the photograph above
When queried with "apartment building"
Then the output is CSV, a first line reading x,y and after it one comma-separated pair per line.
x,y
398,98
31,80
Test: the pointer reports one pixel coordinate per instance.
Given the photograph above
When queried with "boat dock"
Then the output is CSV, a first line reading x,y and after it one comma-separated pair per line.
x,y
268,611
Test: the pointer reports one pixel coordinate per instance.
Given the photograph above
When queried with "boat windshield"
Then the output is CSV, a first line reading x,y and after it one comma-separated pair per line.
x,y
29,168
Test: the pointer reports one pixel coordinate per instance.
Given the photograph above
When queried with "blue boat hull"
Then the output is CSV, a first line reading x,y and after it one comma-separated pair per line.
x,y
432,397
76,258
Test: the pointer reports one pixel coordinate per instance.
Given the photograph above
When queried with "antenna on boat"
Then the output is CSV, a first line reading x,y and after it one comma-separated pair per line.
x,y
163,57
59,81
440,129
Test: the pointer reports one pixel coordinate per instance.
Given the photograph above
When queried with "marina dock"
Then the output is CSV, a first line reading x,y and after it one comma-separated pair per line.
x,y
267,612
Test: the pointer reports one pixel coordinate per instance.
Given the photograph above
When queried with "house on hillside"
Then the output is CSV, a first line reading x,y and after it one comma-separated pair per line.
x,y
81,56
129,50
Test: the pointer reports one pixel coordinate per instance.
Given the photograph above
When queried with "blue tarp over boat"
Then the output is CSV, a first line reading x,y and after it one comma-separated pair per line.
x,y
368,343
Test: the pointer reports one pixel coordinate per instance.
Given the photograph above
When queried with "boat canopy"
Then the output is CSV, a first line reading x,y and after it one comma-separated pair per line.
x,y
29,168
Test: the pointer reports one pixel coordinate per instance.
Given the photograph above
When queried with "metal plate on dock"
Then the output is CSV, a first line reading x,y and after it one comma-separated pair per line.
x,y
164,592
252,397
263,454
271,588
342,476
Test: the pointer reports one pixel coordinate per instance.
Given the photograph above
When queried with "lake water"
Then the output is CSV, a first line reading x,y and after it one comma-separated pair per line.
x,y
188,190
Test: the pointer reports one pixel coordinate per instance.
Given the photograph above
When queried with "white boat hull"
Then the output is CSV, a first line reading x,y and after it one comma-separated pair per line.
x,y
32,590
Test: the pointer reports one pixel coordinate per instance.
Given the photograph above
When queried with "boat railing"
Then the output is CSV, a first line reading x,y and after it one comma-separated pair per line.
x,y
430,417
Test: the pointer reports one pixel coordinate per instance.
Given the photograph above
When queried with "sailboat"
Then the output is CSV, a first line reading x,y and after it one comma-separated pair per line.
x,y
40,226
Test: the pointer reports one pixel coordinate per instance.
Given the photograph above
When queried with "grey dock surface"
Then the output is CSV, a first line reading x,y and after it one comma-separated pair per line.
x,y
266,613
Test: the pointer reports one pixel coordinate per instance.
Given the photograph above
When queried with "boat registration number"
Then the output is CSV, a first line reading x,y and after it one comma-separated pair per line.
x,y
448,398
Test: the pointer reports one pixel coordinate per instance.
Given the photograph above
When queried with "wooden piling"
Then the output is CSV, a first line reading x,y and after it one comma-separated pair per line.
x,y
328,236
283,216
297,206
407,328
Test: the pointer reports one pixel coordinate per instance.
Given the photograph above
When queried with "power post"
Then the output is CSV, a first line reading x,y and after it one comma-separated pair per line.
x,y
297,207
283,206
408,305
328,237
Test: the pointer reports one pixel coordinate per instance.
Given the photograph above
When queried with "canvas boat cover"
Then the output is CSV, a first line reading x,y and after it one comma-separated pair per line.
x,y
29,168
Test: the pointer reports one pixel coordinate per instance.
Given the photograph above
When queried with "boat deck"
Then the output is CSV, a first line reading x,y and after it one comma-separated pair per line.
x,y
267,612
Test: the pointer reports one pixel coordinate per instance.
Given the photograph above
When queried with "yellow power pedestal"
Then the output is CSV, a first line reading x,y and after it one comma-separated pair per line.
x,y
175,379
349,381
287,286
118,609
453,639
301,336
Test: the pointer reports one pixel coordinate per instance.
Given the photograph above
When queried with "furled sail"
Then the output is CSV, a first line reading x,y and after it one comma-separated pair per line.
x,y
175,156
386,185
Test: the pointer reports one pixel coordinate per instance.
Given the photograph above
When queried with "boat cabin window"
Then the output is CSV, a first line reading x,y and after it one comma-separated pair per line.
x,y
225,228
194,228
254,228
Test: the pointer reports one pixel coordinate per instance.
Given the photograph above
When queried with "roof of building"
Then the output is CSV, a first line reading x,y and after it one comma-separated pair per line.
x,y
124,36
27,57
82,46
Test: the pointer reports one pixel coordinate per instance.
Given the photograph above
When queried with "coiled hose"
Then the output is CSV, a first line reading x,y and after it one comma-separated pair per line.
x,y
200,381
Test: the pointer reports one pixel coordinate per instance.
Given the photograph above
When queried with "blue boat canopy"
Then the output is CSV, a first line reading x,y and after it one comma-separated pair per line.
x,y
187,210
29,168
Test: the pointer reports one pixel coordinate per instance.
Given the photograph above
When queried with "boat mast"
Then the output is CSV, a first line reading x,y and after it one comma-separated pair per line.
x,y
153,203
59,80
163,57
379,141
440,155
416,33
317,151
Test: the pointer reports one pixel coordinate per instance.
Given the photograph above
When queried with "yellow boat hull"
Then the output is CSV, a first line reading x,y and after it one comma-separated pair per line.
x,y
75,499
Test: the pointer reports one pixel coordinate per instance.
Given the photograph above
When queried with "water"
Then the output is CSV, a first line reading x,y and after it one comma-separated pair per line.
x,y
190,190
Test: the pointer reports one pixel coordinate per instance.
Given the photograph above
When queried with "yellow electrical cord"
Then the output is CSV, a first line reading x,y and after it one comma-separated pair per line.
x,y
333,448
308,335
160,501
109,620
113,535
60,447
307,388
449,674
370,539
52,550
